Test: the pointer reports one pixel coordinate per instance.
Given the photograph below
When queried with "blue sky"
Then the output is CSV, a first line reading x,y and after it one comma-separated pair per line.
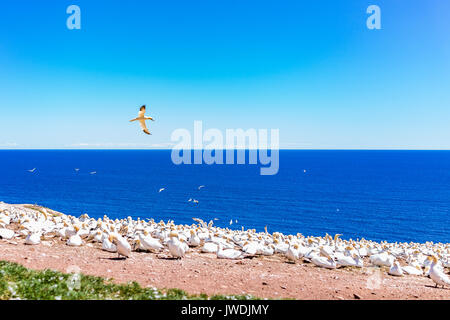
x,y
310,68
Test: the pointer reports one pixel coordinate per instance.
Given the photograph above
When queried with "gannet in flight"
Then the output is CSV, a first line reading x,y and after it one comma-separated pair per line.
x,y
32,170
202,186
93,172
162,189
141,118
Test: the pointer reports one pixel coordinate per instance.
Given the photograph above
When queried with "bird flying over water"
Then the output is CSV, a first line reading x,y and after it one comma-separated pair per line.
x,y
32,170
162,189
202,186
93,172
141,118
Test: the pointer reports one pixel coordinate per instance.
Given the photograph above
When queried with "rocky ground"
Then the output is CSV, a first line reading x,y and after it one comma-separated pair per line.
x,y
264,277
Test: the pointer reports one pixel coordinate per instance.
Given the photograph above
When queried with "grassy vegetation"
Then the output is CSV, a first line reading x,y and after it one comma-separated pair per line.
x,y
18,282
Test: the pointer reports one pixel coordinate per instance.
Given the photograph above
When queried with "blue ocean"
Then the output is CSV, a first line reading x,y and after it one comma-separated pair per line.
x,y
377,195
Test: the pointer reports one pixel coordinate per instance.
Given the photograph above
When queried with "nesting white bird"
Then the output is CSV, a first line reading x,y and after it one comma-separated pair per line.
x,y
292,253
228,253
324,261
437,274
396,269
413,270
209,247
176,248
123,247
352,260
194,239
74,241
107,245
382,259
33,238
149,243
142,118
6,234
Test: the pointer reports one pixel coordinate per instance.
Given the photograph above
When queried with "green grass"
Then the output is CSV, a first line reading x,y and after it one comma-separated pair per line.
x,y
18,282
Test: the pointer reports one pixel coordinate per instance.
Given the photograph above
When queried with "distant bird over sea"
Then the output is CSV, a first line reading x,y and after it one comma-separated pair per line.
x,y
202,186
93,172
76,169
141,118
32,170
162,189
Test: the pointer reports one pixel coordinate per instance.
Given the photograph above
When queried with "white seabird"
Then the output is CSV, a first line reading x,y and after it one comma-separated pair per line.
x,y
437,274
141,118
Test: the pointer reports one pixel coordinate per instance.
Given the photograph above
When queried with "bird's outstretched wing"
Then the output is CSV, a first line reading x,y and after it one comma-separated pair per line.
x,y
144,126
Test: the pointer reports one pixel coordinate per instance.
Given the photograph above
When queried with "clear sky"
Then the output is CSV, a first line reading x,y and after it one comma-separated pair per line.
x,y
310,68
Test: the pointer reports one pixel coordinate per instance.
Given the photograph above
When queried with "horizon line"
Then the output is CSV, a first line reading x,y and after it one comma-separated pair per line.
x,y
224,149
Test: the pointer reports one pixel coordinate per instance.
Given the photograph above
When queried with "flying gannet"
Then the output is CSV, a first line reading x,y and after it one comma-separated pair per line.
x,y
32,170
141,118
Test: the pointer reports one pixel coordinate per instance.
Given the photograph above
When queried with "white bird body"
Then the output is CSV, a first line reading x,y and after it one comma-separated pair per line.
x,y
123,247
228,253
75,241
6,234
142,118
176,248
150,243
266,250
292,253
350,260
281,247
98,237
413,270
382,259
396,270
194,239
107,245
210,247
33,238
250,248
324,262
437,274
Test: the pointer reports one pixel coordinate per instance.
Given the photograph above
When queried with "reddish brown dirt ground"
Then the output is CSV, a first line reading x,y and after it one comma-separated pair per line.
x,y
264,277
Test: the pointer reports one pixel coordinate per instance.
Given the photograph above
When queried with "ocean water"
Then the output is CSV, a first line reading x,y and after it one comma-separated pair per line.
x,y
378,195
